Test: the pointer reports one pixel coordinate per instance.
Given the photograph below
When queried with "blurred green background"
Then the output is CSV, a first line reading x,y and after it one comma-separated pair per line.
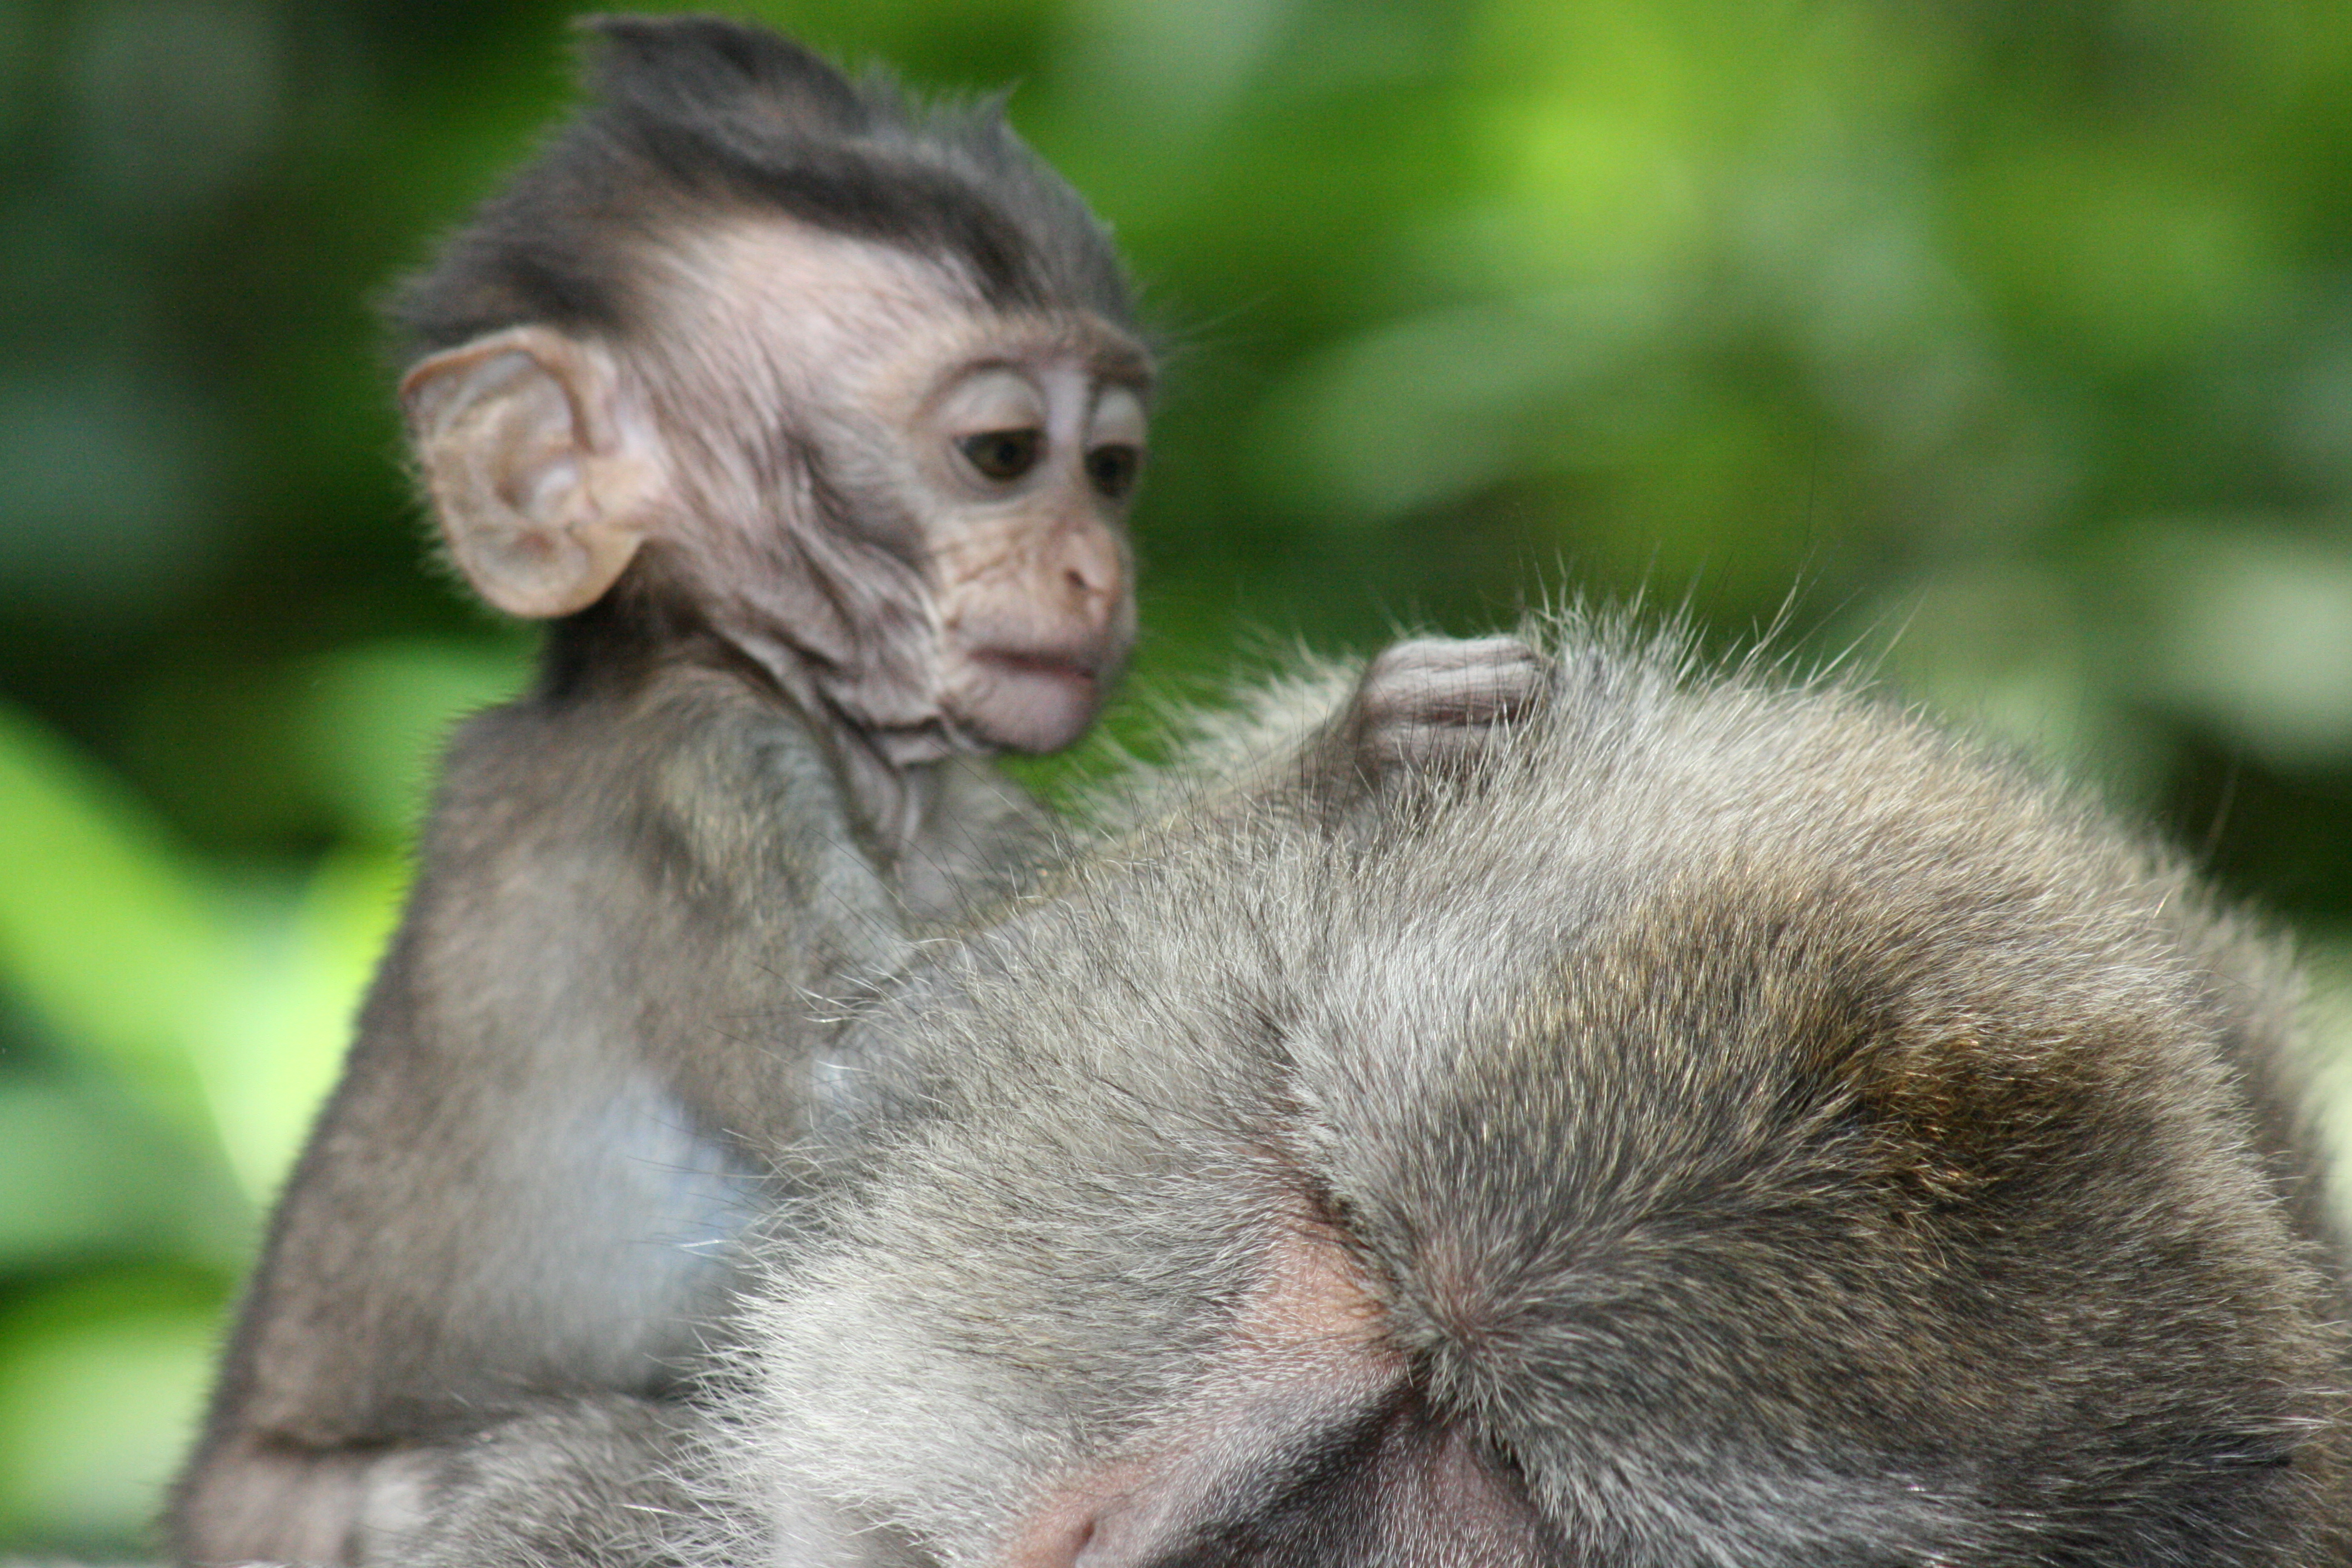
x,y
2011,340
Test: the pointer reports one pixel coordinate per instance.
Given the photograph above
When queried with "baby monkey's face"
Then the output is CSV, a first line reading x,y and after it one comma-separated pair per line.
x,y
1027,459
983,458
843,454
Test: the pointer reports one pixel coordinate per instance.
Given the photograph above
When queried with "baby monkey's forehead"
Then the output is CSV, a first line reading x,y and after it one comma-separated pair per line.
x,y
1077,338
782,291
756,297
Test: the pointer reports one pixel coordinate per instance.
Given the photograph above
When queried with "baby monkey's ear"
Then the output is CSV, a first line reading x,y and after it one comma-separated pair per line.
x,y
543,484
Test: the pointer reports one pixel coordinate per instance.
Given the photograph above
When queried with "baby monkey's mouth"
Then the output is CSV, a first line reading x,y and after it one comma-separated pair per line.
x,y
1032,698
1083,667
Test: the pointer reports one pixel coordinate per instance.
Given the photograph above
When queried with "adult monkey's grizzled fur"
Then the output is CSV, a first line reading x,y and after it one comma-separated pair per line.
x,y
1742,1126
812,418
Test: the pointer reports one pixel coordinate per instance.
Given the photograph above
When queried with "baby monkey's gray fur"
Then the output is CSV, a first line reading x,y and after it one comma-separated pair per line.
x,y
1736,1123
809,418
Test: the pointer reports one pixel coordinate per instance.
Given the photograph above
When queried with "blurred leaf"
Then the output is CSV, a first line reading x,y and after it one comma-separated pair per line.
x,y
1422,412
102,930
82,1176
100,1384
1168,67
176,99
2252,634
371,721
230,1025
56,1194
2130,256
281,1038
102,471
1597,132
2005,649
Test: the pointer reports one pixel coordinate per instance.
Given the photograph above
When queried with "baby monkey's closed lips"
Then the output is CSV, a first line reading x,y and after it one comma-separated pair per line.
x,y
1086,667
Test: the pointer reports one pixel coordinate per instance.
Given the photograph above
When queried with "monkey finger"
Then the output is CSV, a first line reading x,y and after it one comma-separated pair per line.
x,y
1432,702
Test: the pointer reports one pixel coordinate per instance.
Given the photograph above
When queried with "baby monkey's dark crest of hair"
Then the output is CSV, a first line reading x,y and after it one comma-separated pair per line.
x,y
692,116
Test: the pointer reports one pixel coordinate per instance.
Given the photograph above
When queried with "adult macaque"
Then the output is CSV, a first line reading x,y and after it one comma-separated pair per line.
x,y
810,420
1735,1124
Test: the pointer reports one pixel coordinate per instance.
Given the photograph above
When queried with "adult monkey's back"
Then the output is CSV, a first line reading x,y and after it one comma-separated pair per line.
x,y
1740,1126
811,420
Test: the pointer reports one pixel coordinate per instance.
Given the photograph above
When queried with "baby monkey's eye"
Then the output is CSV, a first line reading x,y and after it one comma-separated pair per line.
x,y
1113,470
1003,454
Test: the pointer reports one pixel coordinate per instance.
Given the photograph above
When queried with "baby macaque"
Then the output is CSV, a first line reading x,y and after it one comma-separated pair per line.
x,y
810,421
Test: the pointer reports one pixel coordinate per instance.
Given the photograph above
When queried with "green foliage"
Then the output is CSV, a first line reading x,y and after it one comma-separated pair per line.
x,y
188,1022
101,1378
2009,342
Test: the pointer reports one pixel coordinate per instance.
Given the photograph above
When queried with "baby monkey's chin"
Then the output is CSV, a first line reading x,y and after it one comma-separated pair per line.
x,y
1031,702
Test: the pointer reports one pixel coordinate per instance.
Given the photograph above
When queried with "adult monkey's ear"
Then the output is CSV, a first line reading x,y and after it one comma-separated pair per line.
x,y
543,488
